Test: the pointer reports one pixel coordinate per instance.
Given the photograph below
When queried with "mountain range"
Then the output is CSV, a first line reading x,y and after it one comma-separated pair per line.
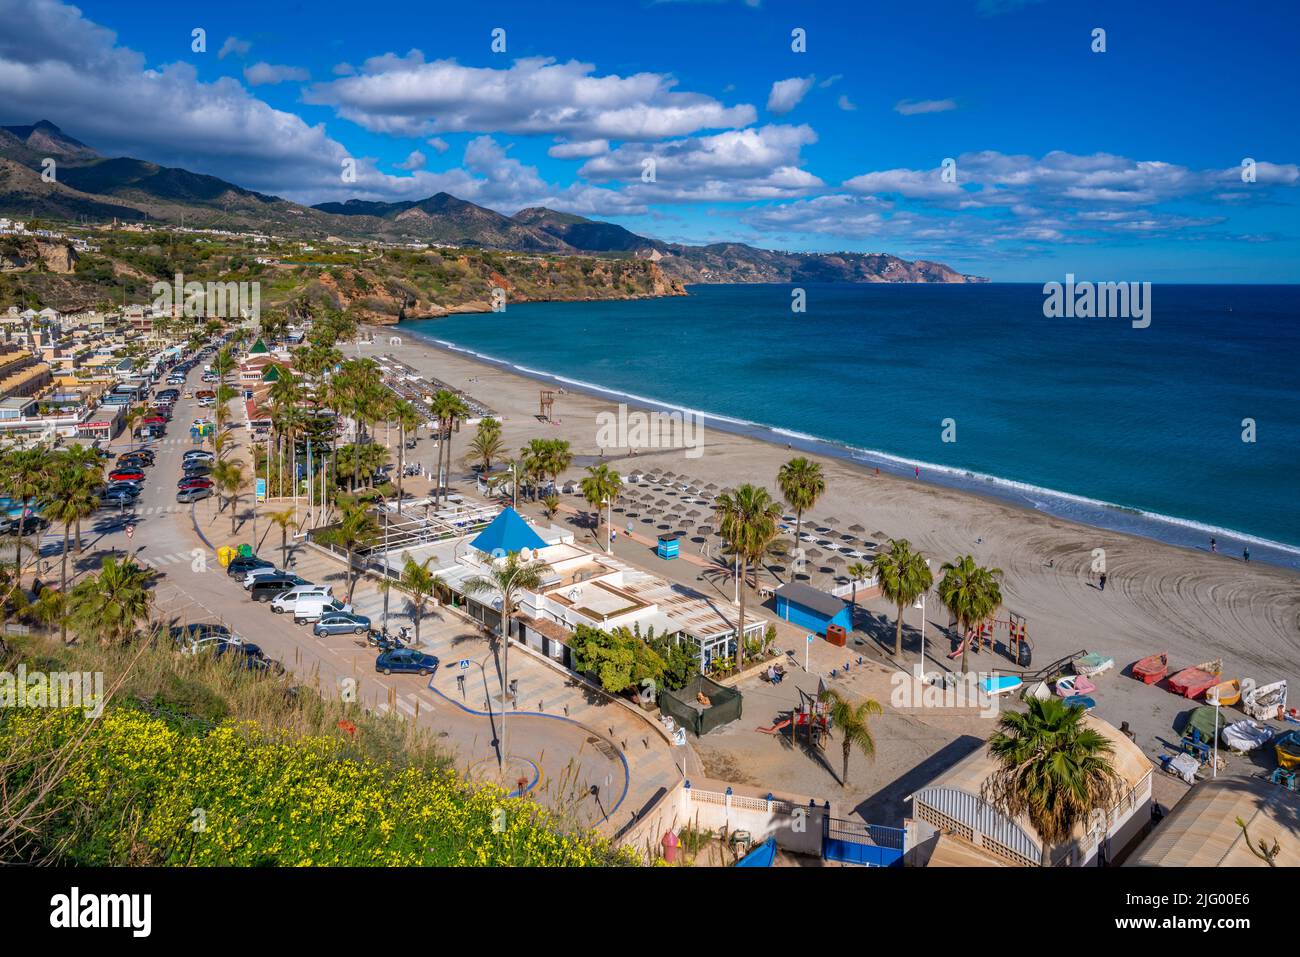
x,y
87,185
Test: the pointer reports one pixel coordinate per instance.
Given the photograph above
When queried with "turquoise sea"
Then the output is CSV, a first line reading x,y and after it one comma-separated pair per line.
x,y
1135,429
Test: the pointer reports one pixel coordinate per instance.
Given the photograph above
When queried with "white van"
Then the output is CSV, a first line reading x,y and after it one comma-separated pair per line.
x,y
310,608
288,601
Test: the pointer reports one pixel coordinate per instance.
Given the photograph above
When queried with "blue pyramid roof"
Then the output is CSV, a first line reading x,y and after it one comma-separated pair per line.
x,y
507,533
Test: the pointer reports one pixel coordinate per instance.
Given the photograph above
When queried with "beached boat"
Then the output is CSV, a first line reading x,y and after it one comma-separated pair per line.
x,y
1225,693
1195,681
1093,664
1151,668
1000,684
1287,749
764,855
1068,686
1265,702
1246,736
1080,701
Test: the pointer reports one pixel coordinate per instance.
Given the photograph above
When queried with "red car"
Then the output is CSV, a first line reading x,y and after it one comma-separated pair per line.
x,y
155,420
183,484
126,475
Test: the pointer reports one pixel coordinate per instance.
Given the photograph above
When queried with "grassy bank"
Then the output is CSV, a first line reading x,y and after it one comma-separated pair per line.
x,y
196,763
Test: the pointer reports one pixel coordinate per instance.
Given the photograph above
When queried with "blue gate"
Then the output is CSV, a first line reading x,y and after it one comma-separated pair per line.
x,y
855,842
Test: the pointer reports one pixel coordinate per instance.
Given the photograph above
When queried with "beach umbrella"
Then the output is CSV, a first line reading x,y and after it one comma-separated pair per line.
x,y
694,513
711,487
855,527
705,529
878,534
813,553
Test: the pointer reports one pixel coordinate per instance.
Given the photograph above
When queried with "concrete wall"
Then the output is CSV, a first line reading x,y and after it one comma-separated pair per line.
x,y
705,805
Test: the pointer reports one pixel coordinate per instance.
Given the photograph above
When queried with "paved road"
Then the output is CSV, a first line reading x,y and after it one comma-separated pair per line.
x,y
562,758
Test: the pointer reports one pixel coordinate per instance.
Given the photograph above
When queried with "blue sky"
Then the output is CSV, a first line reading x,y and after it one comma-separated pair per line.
x,y
1117,165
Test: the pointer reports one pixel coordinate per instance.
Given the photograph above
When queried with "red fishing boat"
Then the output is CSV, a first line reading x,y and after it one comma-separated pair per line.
x,y
1195,681
1151,668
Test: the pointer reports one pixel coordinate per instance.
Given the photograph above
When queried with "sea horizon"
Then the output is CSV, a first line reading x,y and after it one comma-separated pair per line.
x,y
1168,515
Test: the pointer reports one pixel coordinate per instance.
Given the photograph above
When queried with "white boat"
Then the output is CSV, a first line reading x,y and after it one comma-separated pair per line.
x,y
1245,735
999,684
1265,702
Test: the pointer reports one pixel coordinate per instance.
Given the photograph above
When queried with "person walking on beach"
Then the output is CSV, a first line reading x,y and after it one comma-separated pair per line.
x,y
1103,581
1214,545
918,471
1245,554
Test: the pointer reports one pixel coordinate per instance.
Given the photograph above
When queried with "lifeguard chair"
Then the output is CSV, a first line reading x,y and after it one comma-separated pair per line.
x,y
545,404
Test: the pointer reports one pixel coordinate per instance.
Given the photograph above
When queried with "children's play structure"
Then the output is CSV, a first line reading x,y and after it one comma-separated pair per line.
x,y
1017,647
811,715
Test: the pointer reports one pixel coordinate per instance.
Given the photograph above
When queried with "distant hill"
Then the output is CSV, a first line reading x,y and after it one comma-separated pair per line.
x,y
444,218
92,186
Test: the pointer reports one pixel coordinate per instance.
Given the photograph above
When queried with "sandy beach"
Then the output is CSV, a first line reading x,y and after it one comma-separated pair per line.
x,y
1195,605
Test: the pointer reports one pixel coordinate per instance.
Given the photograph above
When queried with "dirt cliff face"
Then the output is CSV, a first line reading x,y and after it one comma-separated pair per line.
x,y
20,253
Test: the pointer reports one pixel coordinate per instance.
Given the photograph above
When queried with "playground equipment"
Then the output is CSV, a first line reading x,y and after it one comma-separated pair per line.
x,y
545,404
811,714
1018,647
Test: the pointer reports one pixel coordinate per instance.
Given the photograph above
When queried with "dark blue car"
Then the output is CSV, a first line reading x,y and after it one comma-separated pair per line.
x,y
406,661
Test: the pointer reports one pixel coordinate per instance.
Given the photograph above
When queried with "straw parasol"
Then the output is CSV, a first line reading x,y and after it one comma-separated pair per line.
x,y
855,527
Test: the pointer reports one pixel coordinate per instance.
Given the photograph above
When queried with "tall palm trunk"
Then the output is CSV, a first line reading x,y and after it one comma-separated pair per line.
x,y
740,628
63,584
898,630
401,470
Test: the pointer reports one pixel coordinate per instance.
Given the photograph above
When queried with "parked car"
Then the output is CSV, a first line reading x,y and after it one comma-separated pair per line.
x,y
187,495
241,565
196,469
312,608
288,599
135,462
131,488
406,661
192,455
118,497
126,475
264,572
202,636
339,623
268,589
196,482
250,657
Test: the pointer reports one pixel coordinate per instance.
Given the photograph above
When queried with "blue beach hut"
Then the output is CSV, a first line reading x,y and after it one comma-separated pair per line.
x,y
668,546
809,608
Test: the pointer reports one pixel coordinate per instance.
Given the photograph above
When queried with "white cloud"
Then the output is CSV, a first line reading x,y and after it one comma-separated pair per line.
x,y
234,46
439,144
343,69
754,163
786,94
845,104
409,97
914,107
416,160
579,150
263,73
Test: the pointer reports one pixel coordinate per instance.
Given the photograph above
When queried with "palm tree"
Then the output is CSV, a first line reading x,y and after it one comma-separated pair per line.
x,y
407,419
802,484
747,521
356,529
69,500
904,577
857,571
228,474
508,576
223,364
285,519
1052,768
108,607
91,472
486,446
420,583
24,476
550,505
601,487
852,723
449,409
970,593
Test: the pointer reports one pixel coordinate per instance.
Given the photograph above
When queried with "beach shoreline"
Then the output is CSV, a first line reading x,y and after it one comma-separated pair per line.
x,y
1159,597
